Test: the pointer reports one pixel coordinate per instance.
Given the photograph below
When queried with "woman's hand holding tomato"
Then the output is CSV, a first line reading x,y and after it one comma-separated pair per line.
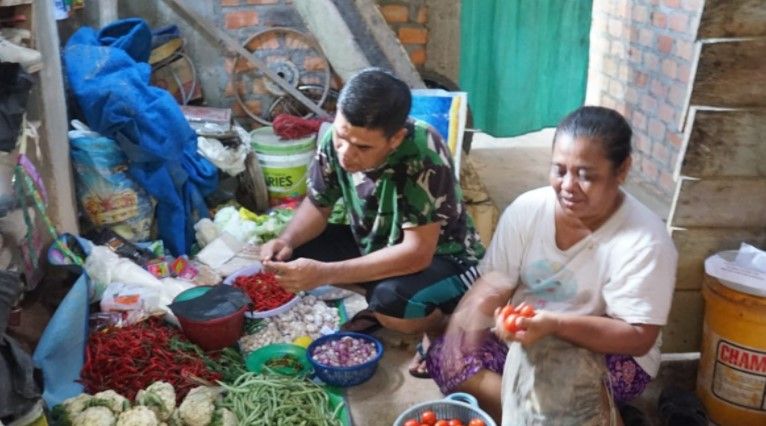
x,y
523,324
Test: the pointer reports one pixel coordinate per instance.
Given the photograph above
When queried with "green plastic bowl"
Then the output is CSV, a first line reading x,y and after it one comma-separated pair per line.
x,y
257,360
192,293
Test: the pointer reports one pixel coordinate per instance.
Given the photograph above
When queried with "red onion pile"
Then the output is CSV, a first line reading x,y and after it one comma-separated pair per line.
x,y
344,352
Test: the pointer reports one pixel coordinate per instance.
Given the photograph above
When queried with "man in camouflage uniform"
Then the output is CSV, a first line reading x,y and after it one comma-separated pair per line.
x,y
410,243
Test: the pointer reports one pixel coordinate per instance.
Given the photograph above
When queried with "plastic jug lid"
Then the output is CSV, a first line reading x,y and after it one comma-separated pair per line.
x,y
266,142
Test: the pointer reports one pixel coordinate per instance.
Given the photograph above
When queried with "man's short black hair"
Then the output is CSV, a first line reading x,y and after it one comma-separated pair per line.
x,y
375,99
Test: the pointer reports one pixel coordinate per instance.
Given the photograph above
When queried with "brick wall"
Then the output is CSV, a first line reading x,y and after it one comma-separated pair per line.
x,y
640,60
408,19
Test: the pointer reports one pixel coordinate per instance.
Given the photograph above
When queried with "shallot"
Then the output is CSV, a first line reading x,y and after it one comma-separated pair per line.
x,y
344,352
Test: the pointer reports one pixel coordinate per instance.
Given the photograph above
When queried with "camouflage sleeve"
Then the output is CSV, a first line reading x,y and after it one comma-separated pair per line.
x,y
429,193
322,184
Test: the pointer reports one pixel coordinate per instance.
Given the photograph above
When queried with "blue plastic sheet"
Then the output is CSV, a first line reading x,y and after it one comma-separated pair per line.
x,y
109,77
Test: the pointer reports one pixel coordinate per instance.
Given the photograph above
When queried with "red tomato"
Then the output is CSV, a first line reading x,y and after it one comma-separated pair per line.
x,y
428,417
441,423
511,323
507,310
527,311
412,422
455,422
476,422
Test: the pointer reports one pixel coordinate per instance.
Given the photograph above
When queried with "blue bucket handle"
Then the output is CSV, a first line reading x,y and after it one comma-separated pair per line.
x,y
463,397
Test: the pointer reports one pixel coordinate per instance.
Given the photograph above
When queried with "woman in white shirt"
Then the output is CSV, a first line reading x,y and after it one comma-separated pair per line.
x,y
599,269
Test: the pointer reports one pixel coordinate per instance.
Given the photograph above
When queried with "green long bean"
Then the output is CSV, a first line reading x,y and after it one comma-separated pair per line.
x,y
279,400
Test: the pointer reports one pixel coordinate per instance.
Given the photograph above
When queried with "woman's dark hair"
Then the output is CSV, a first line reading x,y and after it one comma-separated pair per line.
x,y
375,99
603,124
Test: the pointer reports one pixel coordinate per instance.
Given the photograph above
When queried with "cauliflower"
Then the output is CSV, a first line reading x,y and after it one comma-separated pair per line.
x,y
160,397
65,413
224,417
138,416
198,406
112,400
95,416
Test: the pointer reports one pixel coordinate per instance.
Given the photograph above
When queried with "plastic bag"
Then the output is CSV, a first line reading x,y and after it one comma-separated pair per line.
x,y
105,190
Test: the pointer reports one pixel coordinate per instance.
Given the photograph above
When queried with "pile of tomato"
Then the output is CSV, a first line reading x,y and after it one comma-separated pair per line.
x,y
511,316
429,418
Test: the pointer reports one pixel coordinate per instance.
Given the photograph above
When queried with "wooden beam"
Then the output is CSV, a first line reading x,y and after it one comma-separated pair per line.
x,y
226,41
726,142
730,73
732,18
719,203
56,168
331,32
694,245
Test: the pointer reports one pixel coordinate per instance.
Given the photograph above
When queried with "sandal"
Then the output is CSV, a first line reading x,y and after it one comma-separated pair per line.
x,y
680,407
418,365
363,322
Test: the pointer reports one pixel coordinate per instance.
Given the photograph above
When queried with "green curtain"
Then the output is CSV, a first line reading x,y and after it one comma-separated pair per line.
x,y
524,63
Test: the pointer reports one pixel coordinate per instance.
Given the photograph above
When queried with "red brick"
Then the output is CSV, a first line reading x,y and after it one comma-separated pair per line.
x,y
418,56
610,66
620,8
634,55
631,95
643,144
656,129
413,35
262,1
615,27
395,13
648,103
266,41
669,68
227,3
422,15
616,89
684,72
677,94
667,183
229,89
651,61
664,43
675,139
671,3
660,152
649,169
640,78
245,18
624,72
608,101
659,19
667,113
678,22
640,14
618,48
639,120
645,37
658,89
624,109
685,49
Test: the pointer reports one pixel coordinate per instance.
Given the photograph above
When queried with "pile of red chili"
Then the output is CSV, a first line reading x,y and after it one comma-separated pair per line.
x,y
131,358
263,290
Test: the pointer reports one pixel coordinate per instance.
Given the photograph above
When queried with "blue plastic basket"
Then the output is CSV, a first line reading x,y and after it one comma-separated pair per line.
x,y
345,376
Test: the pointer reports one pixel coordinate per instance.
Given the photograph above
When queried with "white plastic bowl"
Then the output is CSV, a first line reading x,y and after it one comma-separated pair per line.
x,y
254,269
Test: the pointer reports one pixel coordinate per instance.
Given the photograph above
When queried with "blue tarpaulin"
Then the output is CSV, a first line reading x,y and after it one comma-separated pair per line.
x,y
109,76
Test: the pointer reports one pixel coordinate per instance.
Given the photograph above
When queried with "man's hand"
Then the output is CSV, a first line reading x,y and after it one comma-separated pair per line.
x,y
276,249
298,275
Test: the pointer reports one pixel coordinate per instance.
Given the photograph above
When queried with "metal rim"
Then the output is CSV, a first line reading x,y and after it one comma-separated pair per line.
x,y
270,85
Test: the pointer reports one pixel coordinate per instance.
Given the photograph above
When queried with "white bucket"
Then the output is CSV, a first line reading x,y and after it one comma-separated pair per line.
x,y
285,164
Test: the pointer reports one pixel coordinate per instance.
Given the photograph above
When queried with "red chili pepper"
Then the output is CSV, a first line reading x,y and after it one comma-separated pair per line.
x,y
264,290
131,358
